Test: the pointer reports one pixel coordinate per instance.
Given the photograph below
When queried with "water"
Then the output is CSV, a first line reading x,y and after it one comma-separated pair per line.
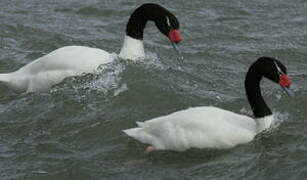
x,y
74,130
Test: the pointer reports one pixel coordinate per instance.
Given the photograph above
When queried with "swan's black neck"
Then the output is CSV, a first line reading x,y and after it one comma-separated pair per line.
x,y
253,92
139,18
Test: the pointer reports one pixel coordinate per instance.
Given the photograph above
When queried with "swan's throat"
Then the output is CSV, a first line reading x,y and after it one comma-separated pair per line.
x,y
132,49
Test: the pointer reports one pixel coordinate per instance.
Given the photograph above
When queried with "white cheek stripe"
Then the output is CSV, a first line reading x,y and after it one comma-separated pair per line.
x,y
168,22
278,68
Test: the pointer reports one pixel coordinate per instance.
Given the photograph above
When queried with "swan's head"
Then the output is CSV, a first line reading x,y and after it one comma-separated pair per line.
x,y
166,22
169,25
274,70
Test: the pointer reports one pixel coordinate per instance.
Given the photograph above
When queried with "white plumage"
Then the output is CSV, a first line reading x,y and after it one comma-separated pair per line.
x,y
199,127
52,68
132,49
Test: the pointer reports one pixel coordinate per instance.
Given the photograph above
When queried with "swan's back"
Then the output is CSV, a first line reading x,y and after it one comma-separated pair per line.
x,y
52,68
198,127
68,58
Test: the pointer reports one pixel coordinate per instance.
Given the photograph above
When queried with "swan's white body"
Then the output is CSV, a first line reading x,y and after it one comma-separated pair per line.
x,y
54,67
199,127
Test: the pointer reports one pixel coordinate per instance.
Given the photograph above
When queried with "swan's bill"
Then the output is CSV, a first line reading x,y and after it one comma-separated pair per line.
x,y
288,90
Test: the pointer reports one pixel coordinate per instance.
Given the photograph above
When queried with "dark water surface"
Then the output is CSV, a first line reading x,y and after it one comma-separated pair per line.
x,y
74,130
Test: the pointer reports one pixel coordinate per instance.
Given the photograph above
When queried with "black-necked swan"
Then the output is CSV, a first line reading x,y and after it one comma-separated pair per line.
x,y
54,67
212,127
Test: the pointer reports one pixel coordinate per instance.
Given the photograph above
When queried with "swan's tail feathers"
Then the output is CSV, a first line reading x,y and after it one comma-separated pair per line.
x,y
138,134
145,137
133,132
5,78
